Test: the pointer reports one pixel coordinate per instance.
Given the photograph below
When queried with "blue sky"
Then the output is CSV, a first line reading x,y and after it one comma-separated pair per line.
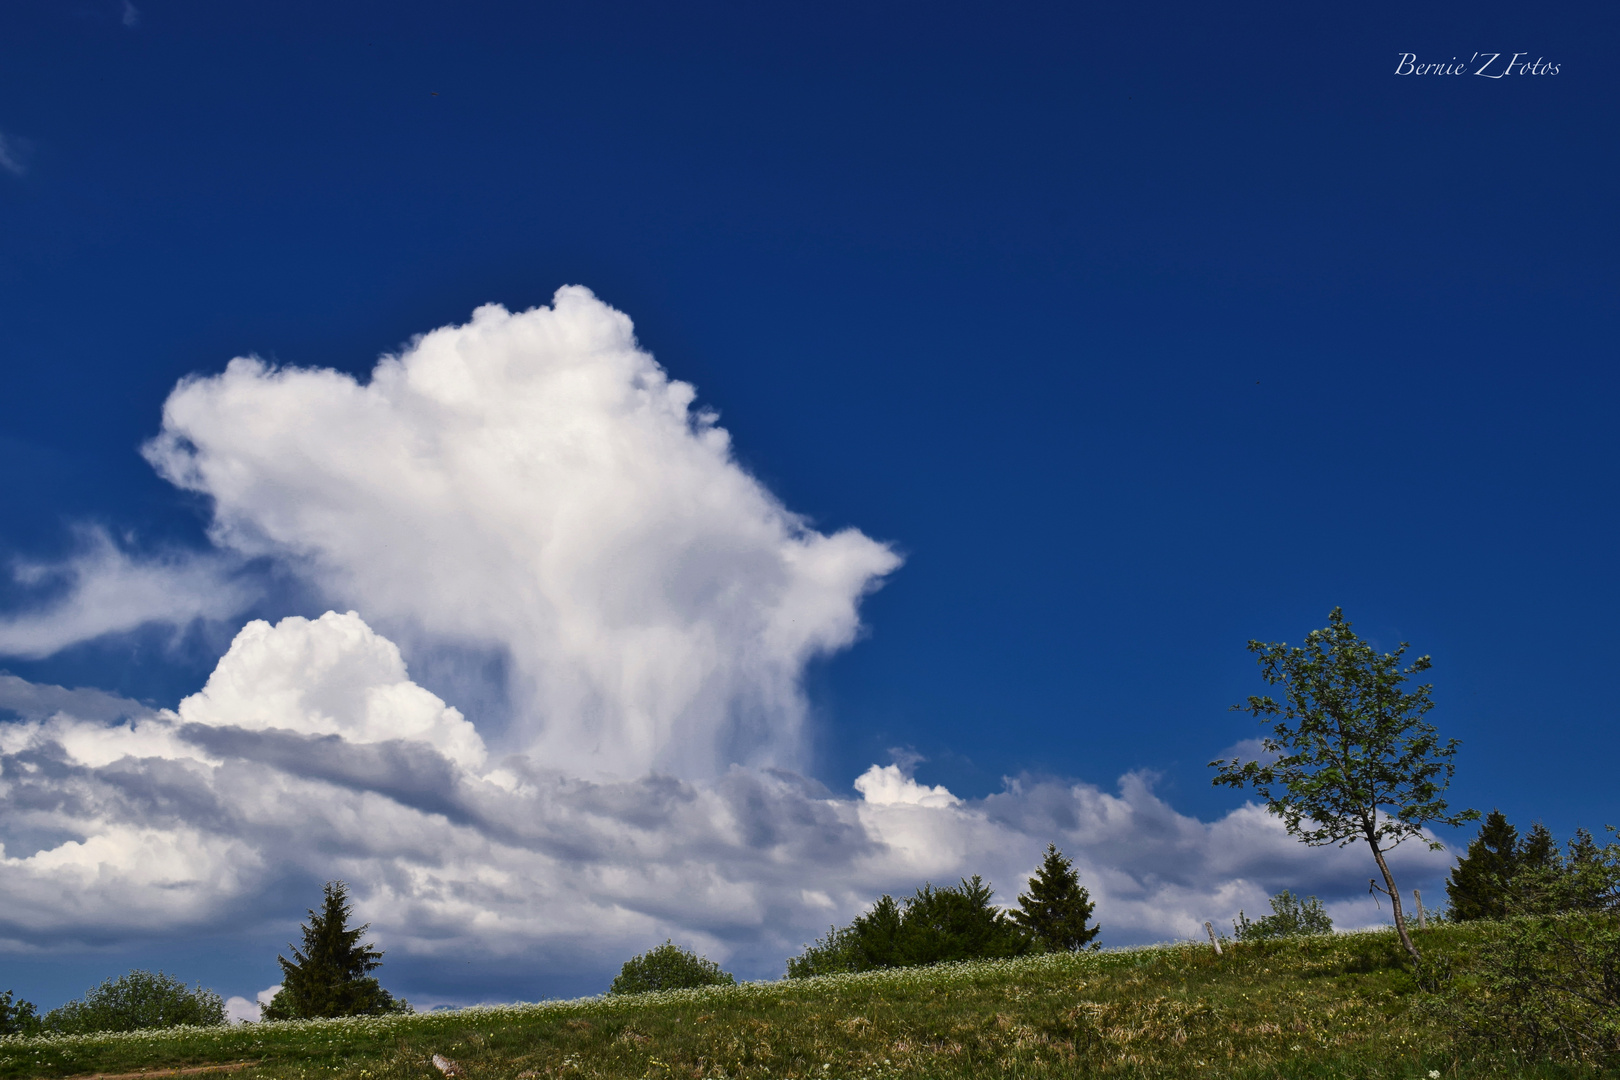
x,y
1137,332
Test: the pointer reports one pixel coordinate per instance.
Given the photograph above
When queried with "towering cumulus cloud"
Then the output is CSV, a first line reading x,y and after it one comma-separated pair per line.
x,y
536,483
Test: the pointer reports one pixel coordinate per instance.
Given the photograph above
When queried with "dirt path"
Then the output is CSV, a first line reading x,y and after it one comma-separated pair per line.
x,y
190,1070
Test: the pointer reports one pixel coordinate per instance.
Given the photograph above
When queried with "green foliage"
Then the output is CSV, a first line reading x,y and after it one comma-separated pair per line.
x,y
1587,879
141,999
17,1017
957,923
1290,917
1550,985
936,925
1480,882
668,967
1549,989
329,976
1055,910
1501,876
1350,757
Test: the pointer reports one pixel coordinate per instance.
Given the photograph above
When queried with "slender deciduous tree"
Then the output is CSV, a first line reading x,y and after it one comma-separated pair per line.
x,y
1349,758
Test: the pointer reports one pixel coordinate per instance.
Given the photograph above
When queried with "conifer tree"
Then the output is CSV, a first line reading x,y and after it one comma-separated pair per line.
x,y
956,923
1479,884
1056,908
329,975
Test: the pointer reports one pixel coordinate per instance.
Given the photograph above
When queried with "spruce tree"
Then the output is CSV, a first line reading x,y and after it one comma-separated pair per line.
x,y
329,975
1481,883
1055,910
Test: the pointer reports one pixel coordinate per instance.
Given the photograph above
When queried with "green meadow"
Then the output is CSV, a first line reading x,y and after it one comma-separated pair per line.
x,y
1343,1005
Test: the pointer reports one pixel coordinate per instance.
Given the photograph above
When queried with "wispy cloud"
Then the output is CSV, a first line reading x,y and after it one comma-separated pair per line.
x,y
12,153
132,15
103,589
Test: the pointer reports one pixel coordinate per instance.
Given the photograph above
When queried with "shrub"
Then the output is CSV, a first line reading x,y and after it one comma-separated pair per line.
x,y
668,967
1549,988
1290,917
1550,985
141,999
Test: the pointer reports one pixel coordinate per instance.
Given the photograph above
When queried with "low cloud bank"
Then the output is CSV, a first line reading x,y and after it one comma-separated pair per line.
x,y
310,754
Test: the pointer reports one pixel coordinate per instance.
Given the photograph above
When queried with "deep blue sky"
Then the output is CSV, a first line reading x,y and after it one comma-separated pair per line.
x,y
1141,329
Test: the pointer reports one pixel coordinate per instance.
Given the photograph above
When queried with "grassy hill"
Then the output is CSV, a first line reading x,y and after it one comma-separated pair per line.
x,y
1336,1006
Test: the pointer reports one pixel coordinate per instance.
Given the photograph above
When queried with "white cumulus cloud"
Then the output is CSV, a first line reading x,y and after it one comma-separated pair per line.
x,y
535,483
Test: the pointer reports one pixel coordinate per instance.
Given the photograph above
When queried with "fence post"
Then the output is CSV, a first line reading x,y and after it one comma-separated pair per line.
x,y
1210,929
1423,920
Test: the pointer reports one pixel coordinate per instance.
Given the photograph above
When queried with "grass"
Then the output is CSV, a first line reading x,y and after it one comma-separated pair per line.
x,y
1334,1006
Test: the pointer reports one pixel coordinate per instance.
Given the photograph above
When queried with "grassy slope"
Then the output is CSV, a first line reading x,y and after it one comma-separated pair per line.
x,y
1330,1006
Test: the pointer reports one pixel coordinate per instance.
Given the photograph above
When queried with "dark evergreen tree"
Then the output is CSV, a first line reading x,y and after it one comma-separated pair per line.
x,y
668,967
1539,851
954,923
957,923
1480,883
1055,910
875,942
330,976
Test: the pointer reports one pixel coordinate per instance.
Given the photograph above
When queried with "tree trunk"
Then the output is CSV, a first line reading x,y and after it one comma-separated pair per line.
x,y
1395,902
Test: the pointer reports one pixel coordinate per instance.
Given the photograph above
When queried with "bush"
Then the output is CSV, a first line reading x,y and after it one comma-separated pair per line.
x,y
1549,988
17,1017
1290,917
141,999
668,967
1550,985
